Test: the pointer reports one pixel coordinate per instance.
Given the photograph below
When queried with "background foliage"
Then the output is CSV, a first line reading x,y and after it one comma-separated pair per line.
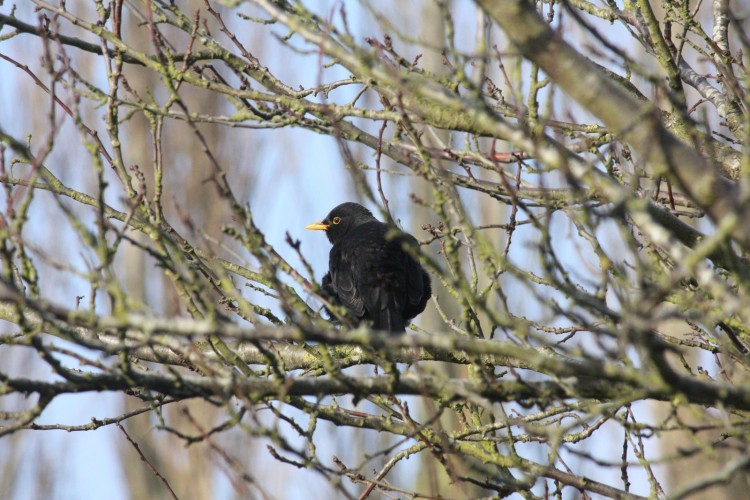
x,y
576,175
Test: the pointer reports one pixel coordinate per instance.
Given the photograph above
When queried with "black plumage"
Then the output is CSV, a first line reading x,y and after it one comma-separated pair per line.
x,y
370,271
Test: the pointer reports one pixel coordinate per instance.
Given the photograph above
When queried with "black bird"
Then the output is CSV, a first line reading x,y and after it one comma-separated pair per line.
x,y
370,271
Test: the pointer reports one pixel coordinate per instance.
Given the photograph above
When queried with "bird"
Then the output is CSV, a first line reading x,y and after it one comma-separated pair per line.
x,y
370,271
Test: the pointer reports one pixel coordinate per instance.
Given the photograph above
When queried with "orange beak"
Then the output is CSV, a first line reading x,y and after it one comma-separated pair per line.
x,y
318,226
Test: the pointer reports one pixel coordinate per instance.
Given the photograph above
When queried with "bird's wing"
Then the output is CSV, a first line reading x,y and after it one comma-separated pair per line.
x,y
364,269
379,277
343,279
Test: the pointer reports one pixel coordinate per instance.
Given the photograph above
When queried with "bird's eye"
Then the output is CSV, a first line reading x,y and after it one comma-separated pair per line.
x,y
336,220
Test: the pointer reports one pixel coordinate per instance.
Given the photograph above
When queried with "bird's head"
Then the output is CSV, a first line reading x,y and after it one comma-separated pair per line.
x,y
341,220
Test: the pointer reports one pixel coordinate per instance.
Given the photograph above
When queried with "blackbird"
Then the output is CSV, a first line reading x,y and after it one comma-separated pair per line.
x,y
370,271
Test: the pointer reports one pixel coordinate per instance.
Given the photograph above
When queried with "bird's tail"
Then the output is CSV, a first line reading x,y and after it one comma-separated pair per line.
x,y
389,319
